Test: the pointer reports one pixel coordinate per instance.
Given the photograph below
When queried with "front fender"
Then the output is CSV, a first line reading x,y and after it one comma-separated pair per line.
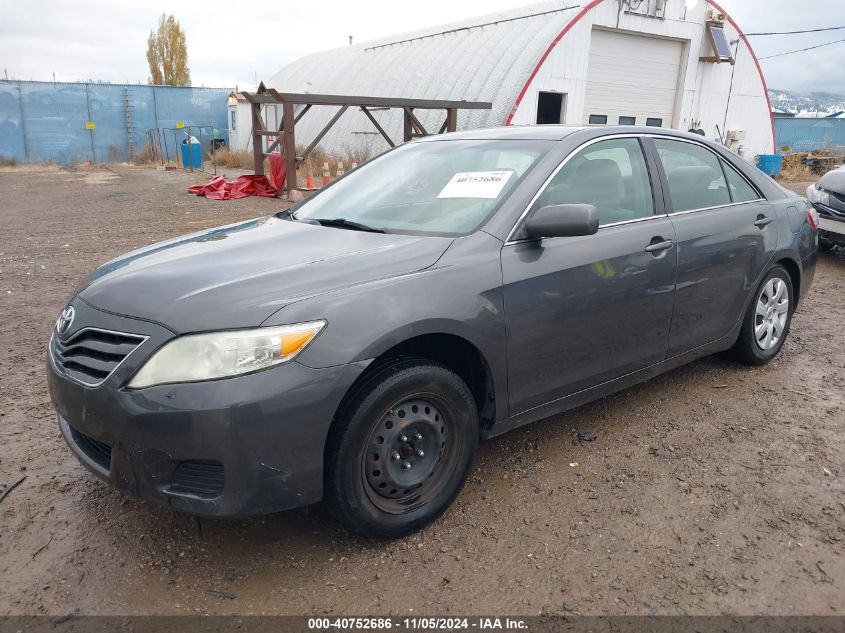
x,y
460,295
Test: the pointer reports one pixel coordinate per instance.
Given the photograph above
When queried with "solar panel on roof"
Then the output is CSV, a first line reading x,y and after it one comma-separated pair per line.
x,y
723,50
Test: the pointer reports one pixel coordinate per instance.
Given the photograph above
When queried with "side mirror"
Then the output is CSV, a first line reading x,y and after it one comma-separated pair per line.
x,y
563,220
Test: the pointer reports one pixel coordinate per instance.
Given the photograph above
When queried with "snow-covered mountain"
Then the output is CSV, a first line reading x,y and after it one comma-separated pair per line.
x,y
788,101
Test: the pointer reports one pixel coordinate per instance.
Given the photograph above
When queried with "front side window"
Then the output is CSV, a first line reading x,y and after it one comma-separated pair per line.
x,y
696,180
428,188
611,175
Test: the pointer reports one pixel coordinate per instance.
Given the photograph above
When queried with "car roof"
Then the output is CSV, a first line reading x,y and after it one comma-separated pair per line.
x,y
556,132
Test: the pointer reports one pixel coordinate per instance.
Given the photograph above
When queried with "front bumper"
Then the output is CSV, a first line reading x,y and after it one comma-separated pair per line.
x,y
252,444
831,223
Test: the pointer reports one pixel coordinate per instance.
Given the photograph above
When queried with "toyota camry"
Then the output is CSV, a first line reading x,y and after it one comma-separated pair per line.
x,y
355,348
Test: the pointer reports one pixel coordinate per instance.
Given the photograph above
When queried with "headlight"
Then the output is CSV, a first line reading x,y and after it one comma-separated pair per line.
x,y
818,195
222,354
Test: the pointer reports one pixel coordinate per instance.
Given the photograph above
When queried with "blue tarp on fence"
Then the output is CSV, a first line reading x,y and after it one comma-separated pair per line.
x,y
44,121
806,135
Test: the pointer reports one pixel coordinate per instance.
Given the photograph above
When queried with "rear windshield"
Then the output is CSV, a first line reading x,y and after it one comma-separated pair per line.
x,y
429,188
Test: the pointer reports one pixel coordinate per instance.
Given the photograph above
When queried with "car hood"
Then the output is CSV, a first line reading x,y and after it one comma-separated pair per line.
x,y
833,181
239,275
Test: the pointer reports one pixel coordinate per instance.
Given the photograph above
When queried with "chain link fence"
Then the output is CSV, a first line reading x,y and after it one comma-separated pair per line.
x,y
74,122
808,135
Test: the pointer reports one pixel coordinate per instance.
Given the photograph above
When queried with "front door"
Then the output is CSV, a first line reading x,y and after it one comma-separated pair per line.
x,y
726,236
584,310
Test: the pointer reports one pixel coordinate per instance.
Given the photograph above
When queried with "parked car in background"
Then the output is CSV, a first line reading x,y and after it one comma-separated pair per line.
x,y
828,197
355,348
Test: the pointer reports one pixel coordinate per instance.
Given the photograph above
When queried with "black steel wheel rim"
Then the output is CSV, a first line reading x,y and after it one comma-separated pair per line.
x,y
411,454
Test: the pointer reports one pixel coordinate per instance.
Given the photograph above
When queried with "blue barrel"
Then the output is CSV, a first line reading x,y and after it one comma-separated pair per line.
x,y
191,155
769,163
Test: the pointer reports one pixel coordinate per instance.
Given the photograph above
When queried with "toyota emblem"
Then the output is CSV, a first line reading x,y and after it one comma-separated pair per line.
x,y
65,320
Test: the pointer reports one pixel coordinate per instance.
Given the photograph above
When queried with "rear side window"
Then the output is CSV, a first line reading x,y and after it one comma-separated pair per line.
x,y
696,179
611,175
741,191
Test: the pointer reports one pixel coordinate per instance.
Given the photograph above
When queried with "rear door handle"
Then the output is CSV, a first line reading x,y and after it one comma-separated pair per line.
x,y
762,221
657,247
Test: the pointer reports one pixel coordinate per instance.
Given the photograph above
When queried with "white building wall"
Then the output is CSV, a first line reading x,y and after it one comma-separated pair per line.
x,y
705,87
240,136
490,58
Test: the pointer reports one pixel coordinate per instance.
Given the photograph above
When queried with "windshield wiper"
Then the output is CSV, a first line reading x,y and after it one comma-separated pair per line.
x,y
343,223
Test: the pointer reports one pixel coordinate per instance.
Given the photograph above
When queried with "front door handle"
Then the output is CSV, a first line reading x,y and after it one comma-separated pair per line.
x,y
658,247
762,221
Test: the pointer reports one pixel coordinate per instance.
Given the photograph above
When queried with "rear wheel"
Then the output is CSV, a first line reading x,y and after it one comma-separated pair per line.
x,y
400,449
767,319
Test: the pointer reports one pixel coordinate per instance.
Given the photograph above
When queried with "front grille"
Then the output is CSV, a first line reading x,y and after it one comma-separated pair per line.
x,y
99,452
91,355
201,478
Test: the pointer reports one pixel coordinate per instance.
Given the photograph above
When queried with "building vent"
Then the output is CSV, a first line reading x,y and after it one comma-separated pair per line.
x,y
647,8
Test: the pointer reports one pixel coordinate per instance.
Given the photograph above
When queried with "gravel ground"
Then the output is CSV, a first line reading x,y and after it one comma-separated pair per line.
x,y
713,489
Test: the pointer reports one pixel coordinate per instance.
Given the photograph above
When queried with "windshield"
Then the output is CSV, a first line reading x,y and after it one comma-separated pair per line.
x,y
429,188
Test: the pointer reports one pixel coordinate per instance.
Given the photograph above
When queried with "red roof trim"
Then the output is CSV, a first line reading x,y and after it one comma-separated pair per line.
x,y
559,37
595,3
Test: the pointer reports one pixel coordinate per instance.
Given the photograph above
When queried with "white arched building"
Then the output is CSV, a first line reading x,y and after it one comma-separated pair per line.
x,y
675,63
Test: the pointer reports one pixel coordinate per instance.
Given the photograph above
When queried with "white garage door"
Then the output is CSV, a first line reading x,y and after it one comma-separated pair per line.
x,y
634,77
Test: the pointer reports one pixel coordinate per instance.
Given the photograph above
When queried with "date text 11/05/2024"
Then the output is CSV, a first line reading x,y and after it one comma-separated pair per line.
x,y
416,623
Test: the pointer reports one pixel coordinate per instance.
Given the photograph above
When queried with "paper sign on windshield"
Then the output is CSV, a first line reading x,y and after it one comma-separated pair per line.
x,y
476,184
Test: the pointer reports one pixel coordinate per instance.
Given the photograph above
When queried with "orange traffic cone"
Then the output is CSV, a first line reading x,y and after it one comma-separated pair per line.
x,y
354,165
339,171
309,177
326,176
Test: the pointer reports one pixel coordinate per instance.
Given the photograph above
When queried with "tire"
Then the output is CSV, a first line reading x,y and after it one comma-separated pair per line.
x,y
767,319
400,449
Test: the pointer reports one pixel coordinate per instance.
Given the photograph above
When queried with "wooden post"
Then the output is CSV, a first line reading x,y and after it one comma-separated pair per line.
x,y
408,127
289,147
257,139
451,119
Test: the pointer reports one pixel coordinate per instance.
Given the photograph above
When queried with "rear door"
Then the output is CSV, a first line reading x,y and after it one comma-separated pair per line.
x,y
584,310
726,234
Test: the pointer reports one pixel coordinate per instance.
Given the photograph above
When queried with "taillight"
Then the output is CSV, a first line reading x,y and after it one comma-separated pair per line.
x,y
813,217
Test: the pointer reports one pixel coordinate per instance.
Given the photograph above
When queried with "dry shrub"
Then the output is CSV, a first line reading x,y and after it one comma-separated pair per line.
x,y
6,161
147,155
793,168
225,157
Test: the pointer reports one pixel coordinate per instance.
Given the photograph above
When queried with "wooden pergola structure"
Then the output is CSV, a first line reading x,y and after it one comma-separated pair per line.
x,y
286,135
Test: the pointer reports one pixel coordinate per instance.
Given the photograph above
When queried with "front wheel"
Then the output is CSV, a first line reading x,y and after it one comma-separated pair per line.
x,y
767,319
400,449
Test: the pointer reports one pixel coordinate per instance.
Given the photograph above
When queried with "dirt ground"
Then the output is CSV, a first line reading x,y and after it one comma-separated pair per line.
x,y
713,489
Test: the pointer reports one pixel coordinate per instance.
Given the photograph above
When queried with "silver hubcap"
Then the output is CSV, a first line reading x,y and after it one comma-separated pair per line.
x,y
770,314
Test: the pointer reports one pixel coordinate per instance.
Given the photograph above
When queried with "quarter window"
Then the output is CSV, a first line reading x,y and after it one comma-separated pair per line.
x,y
611,175
696,180
741,191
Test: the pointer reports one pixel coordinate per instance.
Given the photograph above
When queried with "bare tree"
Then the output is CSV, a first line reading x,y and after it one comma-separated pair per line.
x,y
167,54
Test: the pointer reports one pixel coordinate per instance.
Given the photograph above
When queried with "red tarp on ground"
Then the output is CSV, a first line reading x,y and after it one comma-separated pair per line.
x,y
220,189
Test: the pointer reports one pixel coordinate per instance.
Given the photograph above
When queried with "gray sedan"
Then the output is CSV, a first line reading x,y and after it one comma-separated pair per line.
x,y
355,348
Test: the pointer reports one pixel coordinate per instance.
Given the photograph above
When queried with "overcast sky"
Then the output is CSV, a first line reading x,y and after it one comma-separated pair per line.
x,y
231,43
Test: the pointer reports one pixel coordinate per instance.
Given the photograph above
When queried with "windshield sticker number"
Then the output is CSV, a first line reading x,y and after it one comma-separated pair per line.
x,y
476,184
